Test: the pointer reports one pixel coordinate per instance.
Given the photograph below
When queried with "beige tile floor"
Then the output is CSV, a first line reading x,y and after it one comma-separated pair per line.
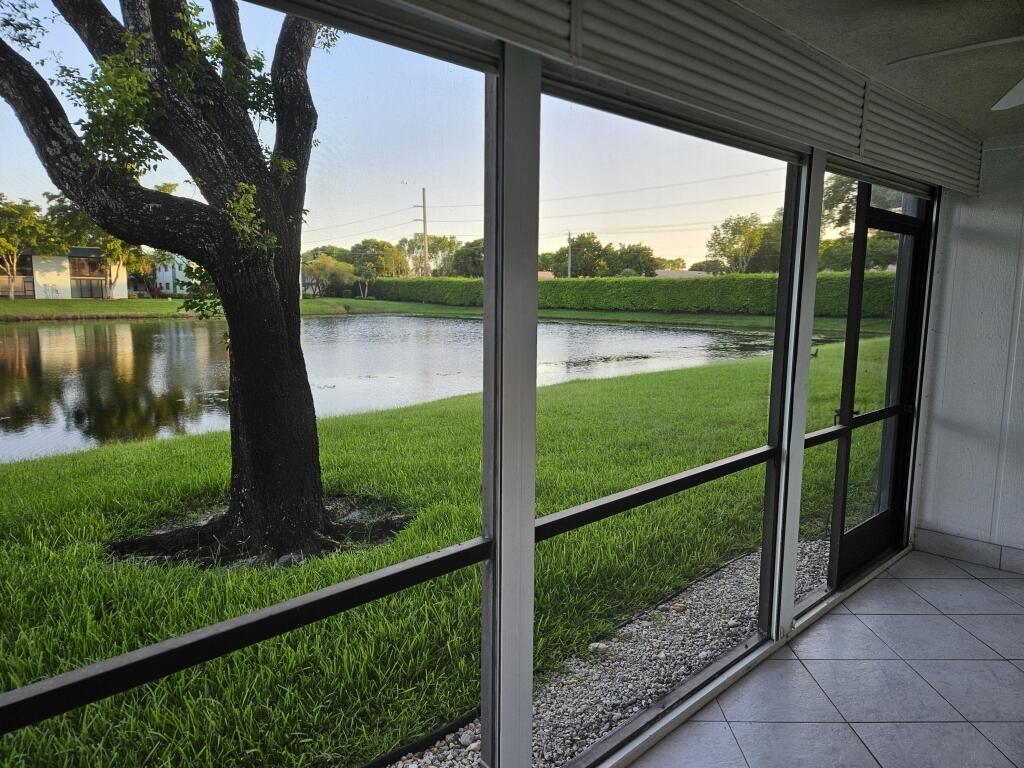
x,y
922,668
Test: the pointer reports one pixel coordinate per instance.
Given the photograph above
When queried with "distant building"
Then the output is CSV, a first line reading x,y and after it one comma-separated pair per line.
x,y
680,273
79,274
545,274
170,277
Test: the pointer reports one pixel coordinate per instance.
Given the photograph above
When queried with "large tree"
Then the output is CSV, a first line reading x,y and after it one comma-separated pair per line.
x,y
468,260
637,258
441,250
385,258
736,241
165,82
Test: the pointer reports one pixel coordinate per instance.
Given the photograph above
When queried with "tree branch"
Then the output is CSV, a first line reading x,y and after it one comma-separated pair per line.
x,y
229,27
296,113
97,27
119,204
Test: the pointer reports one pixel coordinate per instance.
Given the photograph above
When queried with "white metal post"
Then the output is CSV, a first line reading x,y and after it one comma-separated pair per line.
x,y
510,390
796,423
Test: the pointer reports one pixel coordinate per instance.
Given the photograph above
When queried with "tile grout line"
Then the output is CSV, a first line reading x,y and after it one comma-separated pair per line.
x,y
853,730
941,612
980,640
839,711
994,745
975,578
878,637
1008,597
735,740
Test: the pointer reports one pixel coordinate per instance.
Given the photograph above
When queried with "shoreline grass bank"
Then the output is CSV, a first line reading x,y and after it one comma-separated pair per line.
x,y
78,310
344,690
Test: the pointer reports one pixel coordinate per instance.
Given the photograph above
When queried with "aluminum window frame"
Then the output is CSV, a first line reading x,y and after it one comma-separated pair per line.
x,y
517,76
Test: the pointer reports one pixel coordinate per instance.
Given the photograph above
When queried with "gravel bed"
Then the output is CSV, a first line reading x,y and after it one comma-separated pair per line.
x,y
644,659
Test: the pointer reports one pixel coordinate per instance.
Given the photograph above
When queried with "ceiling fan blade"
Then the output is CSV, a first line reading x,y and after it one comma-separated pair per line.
x,y
1013,98
959,49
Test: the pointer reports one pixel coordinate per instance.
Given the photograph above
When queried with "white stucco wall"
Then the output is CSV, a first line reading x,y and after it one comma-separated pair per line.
x,y
120,287
52,277
970,474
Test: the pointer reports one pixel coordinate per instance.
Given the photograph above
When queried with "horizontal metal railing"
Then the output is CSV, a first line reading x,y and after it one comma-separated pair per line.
x,y
584,514
828,434
70,690
55,695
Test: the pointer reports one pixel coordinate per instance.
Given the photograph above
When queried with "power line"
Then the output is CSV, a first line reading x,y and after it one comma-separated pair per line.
x,y
360,221
683,226
661,186
635,210
652,228
635,189
364,232
660,207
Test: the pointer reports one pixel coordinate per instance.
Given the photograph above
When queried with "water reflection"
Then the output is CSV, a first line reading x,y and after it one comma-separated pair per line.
x,y
66,386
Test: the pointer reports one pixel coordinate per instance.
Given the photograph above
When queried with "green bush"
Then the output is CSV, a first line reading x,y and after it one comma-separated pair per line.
x,y
734,294
453,291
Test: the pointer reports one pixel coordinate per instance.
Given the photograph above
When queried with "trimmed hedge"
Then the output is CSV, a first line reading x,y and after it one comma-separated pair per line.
x,y
749,294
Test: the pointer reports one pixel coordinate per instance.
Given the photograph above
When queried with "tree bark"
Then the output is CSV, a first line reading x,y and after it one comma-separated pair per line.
x,y
277,499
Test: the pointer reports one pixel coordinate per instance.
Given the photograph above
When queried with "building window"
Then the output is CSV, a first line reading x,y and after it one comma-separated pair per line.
x,y
87,288
87,266
24,284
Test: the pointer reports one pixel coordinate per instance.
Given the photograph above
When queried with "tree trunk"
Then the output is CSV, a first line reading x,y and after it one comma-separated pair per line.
x,y
277,501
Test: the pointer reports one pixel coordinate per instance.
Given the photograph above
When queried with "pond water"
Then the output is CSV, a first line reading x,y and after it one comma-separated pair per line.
x,y
71,385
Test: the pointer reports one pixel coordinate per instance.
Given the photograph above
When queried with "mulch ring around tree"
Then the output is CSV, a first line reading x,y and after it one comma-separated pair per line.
x,y
213,542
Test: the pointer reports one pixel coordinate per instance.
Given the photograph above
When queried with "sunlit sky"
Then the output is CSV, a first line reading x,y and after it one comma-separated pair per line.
x,y
392,122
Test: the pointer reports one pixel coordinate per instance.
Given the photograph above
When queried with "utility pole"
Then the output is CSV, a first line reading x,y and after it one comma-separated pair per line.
x,y
426,239
569,271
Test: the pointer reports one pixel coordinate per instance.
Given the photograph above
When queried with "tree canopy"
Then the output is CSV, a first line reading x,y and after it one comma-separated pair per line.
x,y
387,259
736,241
468,260
441,247
592,258
328,276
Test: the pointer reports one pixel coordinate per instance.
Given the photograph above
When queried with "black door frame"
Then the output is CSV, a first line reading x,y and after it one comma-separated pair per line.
x,y
853,550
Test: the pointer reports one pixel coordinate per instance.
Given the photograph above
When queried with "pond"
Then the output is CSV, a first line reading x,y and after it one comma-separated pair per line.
x,y
71,385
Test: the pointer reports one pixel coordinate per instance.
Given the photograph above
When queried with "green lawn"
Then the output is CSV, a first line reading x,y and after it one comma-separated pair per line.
x,y
78,309
344,690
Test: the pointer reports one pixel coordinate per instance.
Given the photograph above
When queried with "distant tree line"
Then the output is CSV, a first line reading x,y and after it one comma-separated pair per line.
x,y
592,258
332,270
744,243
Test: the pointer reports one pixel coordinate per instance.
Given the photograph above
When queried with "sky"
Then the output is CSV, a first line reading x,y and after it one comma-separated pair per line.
x,y
392,122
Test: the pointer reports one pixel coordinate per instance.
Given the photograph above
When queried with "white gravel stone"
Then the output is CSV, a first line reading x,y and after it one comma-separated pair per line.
x,y
651,654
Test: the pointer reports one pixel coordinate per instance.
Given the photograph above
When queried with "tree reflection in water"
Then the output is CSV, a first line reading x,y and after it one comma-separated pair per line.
x,y
111,381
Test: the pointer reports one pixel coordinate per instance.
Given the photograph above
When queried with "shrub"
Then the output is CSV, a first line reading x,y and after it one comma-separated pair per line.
x,y
453,291
733,294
